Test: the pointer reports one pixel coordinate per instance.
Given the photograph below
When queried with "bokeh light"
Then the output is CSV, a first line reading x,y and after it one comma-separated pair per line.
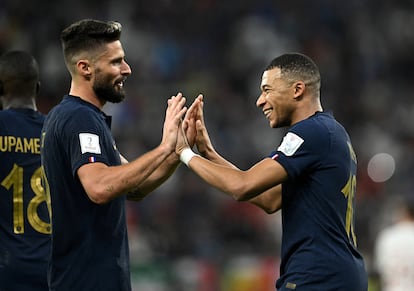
x,y
381,167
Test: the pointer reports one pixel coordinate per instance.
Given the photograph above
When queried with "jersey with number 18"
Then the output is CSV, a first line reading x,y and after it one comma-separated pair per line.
x,y
24,208
319,248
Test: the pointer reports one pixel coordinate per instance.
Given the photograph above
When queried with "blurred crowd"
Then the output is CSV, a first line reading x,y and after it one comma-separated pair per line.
x,y
186,235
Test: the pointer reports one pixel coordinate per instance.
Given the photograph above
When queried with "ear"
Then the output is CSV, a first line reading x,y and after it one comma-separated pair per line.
x,y
84,69
299,89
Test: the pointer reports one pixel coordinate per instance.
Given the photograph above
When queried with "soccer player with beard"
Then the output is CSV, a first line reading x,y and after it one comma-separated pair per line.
x,y
86,176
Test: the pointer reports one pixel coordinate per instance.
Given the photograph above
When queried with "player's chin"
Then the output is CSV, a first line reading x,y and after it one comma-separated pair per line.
x,y
119,90
117,97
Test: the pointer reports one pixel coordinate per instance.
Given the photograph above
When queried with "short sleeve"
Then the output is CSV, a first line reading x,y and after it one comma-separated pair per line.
x,y
301,148
85,138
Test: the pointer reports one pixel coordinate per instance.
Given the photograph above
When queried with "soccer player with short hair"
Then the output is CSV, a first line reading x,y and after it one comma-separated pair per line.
x,y
24,208
88,178
310,177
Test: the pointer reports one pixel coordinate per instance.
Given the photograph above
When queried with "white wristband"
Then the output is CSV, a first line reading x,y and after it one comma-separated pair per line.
x,y
186,155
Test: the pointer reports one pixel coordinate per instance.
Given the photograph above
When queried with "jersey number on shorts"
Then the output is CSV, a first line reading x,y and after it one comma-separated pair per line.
x,y
15,180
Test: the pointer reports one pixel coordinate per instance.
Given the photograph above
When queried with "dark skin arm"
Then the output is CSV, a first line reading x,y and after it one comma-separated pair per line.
x,y
260,185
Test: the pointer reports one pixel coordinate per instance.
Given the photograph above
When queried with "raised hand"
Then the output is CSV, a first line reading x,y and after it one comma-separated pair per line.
x,y
202,140
189,121
173,116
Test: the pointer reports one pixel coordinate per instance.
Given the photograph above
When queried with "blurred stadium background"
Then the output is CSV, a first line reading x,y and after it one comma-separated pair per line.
x,y
187,236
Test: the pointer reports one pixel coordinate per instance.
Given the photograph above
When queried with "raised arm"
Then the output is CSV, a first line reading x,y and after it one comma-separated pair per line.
x,y
204,145
103,183
167,168
259,185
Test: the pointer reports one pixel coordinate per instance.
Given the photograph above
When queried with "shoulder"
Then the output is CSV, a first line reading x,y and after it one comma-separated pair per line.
x,y
72,105
5,114
72,111
319,122
5,118
312,130
321,128
20,117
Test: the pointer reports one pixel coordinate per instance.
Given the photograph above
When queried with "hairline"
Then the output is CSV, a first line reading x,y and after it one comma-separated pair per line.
x,y
91,54
86,39
291,77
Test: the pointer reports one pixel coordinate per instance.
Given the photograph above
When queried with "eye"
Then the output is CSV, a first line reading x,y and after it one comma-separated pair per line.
x,y
117,61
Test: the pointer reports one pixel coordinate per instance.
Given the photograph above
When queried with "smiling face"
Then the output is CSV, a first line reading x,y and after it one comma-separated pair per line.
x,y
277,99
110,73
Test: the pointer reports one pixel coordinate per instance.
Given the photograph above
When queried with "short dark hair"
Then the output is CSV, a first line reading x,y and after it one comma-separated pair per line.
x,y
88,35
19,73
295,67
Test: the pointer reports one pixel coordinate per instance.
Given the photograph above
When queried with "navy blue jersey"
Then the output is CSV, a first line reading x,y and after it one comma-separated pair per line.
x,y
24,213
318,242
89,241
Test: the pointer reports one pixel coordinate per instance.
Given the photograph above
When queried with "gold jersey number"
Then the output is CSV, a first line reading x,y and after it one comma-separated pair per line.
x,y
14,180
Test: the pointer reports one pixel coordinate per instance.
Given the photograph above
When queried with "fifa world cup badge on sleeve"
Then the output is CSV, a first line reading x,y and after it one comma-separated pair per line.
x,y
290,144
89,143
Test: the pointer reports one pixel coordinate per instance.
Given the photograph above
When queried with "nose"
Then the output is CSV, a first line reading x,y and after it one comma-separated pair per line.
x,y
260,101
125,69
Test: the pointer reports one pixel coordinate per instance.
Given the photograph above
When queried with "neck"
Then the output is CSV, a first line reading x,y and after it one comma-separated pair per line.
x,y
306,110
87,94
21,103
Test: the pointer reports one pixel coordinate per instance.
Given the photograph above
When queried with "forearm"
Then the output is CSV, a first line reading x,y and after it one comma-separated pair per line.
x,y
103,183
216,158
270,200
241,185
223,177
157,178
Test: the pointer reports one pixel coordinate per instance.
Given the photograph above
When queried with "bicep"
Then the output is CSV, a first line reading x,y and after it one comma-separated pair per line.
x,y
265,175
90,176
